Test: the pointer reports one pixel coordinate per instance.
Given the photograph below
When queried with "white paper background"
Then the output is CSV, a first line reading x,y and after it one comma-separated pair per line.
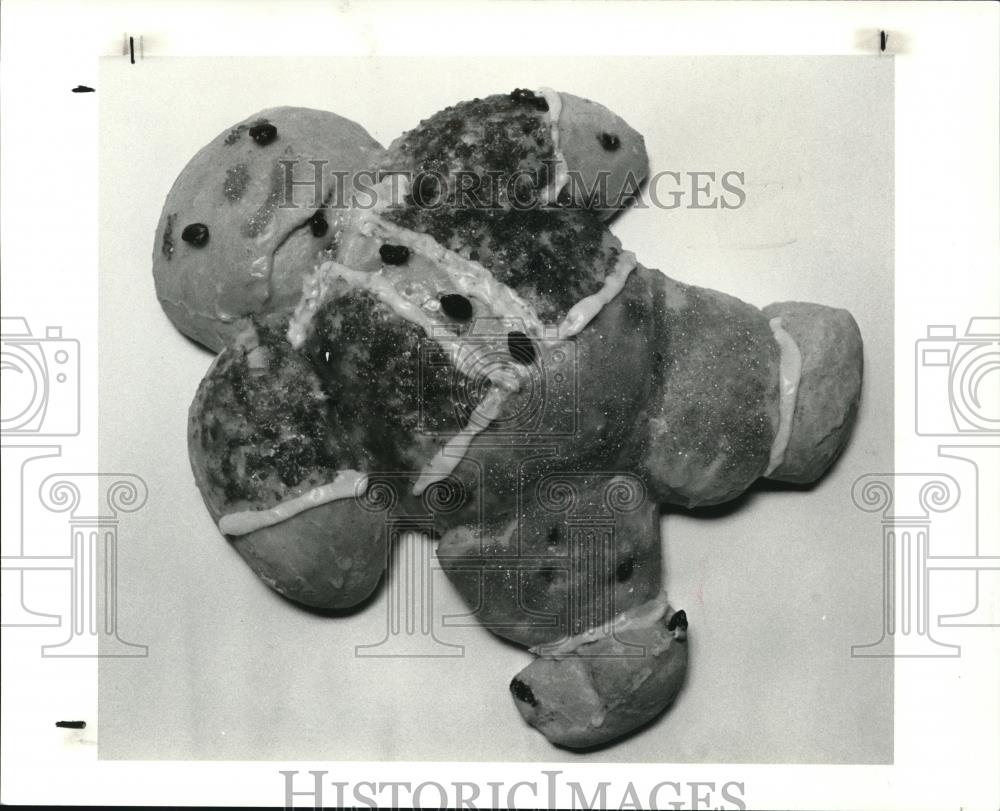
x,y
947,253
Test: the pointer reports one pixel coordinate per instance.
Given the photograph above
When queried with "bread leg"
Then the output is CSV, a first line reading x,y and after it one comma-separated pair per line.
x,y
592,690
829,389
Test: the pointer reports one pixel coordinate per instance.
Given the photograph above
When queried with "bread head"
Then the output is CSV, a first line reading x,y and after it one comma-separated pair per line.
x,y
606,157
234,237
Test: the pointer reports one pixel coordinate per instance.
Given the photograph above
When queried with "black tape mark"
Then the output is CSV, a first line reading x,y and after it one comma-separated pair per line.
x,y
131,50
883,38
82,88
71,724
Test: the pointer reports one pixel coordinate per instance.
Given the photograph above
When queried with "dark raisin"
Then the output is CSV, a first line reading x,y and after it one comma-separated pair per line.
x,y
195,234
609,142
678,620
520,347
624,569
522,692
394,254
456,306
318,224
264,133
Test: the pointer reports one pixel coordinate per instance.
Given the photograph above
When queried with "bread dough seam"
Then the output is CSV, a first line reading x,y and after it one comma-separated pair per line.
x,y
472,279
347,484
550,194
447,459
789,374
645,614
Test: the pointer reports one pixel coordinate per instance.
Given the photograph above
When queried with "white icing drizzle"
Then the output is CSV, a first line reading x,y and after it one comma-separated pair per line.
x,y
315,289
790,371
347,484
473,280
639,616
323,280
584,311
551,192
446,460
469,278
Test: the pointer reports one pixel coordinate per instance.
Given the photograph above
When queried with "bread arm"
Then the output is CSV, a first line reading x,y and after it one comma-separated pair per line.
x,y
745,393
711,421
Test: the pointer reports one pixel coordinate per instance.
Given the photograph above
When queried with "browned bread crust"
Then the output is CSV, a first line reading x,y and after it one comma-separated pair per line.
x,y
233,240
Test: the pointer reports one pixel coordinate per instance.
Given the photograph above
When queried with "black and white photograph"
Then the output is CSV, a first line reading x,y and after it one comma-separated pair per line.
x,y
440,406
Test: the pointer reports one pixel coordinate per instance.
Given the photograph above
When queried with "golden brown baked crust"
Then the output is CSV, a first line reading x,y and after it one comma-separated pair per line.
x,y
610,686
714,418
250,238
670,393
526,149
